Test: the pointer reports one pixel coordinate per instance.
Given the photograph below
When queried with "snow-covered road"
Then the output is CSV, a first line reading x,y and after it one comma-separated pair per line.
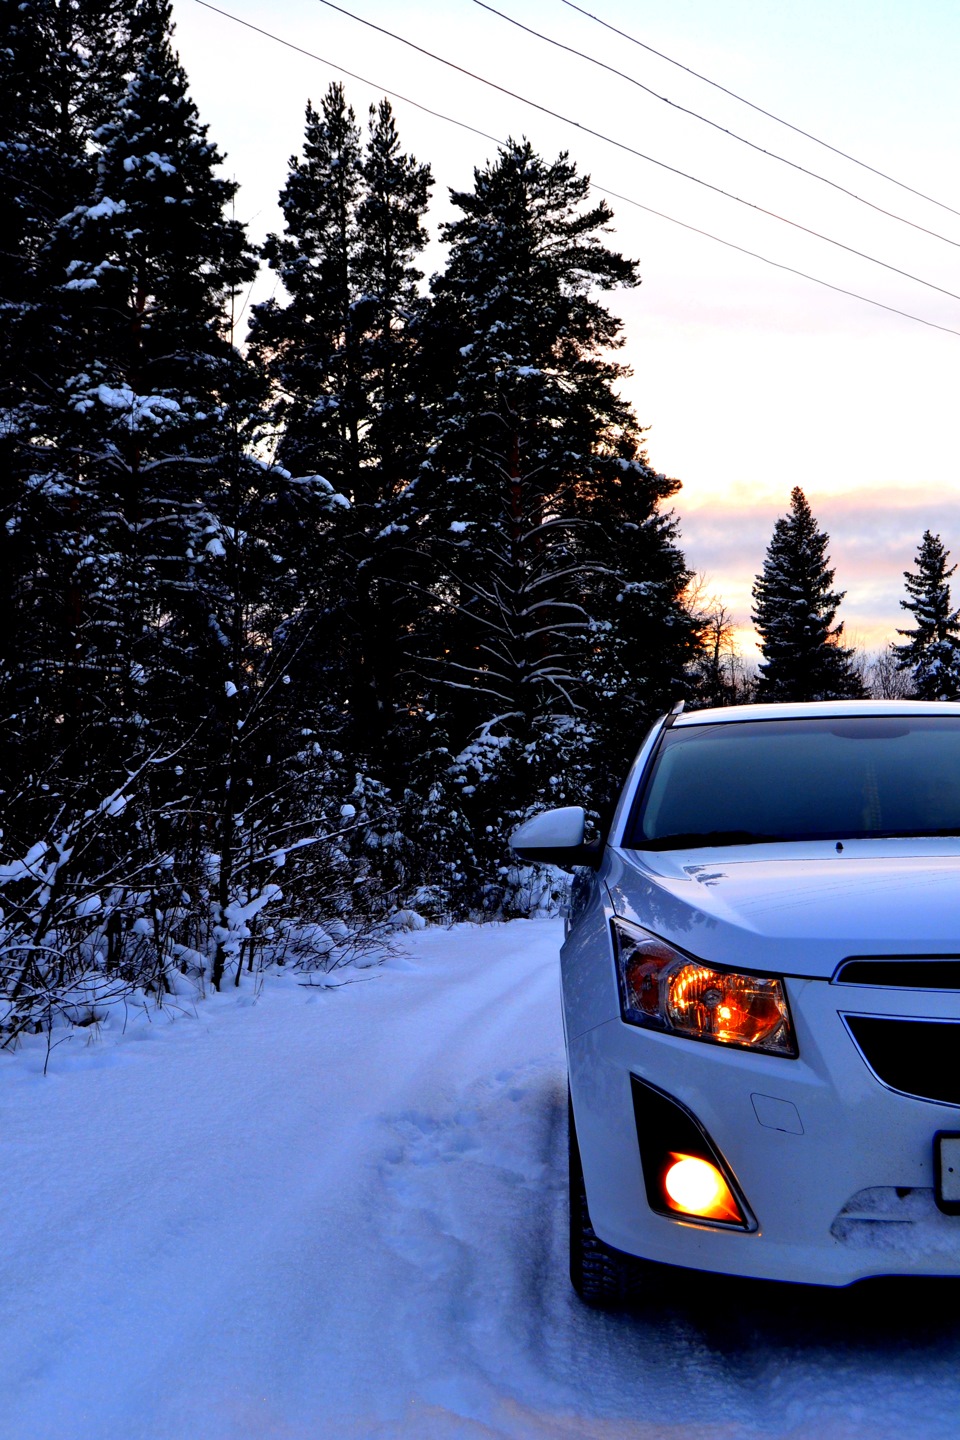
x,y
341,1213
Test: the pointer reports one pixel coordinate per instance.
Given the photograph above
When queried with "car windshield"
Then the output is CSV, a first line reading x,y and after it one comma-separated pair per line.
x,y
746,782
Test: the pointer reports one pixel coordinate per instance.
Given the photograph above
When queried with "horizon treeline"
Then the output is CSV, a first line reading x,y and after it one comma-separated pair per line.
x,y
298,624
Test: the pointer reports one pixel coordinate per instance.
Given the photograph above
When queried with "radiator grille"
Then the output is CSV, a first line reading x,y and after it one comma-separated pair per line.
x,y
902,974
919,1057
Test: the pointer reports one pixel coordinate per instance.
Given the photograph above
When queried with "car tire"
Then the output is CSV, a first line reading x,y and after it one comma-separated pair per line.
x,y
601,1276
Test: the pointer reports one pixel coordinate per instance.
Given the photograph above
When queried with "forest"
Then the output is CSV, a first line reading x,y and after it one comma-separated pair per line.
x,y
300,620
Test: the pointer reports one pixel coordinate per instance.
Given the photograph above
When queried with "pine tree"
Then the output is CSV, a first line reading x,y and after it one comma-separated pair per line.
x,y
535,514
309,344
389,307
931,653
341,354
794,612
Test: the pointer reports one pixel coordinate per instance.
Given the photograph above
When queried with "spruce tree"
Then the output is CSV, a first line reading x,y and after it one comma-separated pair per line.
x,y
213,539
143,424
645,643
931,652
63,68
159,556
64,65
173,547
794,611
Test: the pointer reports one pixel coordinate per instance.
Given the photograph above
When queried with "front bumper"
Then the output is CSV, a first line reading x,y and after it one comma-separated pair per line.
x,y
837,1167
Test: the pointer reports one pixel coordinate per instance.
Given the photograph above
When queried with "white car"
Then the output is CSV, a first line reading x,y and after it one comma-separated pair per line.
x,y
761,999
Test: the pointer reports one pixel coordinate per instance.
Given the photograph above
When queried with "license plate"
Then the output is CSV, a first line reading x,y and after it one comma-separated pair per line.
x,y
946,1165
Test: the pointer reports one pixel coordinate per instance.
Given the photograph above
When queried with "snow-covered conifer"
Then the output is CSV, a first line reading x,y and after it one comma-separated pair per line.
x,y
389,307
643,637
146,419
931,649
536,512
341,353
795,608
171,563
151,264
308,344
63,67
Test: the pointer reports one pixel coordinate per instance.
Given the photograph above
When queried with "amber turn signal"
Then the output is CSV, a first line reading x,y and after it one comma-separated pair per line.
x,y
693,1186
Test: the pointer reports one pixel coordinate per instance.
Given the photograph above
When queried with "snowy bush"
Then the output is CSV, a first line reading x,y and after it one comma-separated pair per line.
x,y
81,919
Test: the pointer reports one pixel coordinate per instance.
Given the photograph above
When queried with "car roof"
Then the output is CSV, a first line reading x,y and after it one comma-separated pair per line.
x,y
812,709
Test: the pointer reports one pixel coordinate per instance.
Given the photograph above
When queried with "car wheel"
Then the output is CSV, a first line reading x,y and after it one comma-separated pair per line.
x,y
601,1276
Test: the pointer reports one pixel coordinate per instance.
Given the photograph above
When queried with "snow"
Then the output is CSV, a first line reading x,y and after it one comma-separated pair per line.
x,y
27,868
408,920
114,804
237,915
321,1212
105,209
152,408
154,161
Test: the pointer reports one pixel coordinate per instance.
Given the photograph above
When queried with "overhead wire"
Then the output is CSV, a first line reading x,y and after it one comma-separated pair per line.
x,y
779,264
714,125
602,189
342,70
631,150
760,110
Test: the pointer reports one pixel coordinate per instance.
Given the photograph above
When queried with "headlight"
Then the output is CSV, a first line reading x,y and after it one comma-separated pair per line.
x,y
665,989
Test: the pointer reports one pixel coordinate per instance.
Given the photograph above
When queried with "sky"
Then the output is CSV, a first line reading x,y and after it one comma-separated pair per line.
x,y
750,379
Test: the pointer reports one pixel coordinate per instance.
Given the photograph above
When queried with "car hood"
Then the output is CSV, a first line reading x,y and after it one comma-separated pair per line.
x,y
796,909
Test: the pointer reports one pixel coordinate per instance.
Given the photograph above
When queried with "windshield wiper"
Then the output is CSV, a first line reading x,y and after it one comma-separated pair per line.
x,y
690,839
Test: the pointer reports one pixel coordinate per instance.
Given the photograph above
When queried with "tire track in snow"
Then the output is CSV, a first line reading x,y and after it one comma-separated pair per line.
x,y
342,1214
479,1181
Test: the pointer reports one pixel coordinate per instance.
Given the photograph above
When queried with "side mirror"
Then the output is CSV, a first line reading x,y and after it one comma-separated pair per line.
x,y
555,837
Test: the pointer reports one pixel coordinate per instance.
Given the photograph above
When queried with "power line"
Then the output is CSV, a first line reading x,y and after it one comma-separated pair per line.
x,y
630,150
603,190
777,264
705,120
311,55
760,110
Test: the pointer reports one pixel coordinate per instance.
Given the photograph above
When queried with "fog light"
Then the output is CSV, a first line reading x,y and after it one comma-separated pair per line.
x,y
684,1174
696,1187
